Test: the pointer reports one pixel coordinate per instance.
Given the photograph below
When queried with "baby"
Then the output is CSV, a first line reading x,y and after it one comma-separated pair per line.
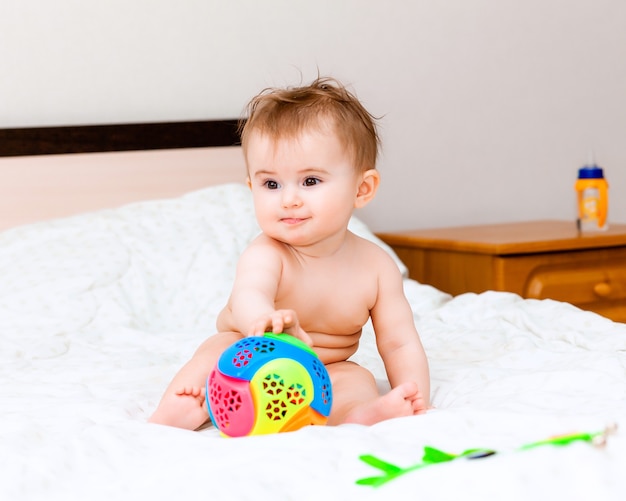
x,y
311,153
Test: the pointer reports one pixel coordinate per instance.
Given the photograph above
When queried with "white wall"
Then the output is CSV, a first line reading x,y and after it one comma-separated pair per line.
x,y
489,106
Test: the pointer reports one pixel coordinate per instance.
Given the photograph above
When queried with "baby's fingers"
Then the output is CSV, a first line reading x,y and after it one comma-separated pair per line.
x,y
278,325
259,328
271,323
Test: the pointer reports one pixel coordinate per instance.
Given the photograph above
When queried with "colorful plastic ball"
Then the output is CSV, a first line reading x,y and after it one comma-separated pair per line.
x,y
268,384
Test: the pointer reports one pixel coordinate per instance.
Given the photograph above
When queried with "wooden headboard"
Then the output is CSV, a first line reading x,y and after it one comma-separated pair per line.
x,y
50,172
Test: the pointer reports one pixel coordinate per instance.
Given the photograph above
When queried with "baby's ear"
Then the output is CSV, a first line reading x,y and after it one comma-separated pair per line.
x,y
368,186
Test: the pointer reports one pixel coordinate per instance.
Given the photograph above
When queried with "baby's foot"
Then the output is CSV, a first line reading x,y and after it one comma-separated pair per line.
x,y
185,408
403,400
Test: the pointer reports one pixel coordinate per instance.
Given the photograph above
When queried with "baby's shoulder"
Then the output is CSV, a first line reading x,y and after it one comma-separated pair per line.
x,y
263,247
371,251
365,244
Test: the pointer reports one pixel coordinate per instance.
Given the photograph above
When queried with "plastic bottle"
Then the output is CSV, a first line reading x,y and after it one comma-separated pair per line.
x,y
593,198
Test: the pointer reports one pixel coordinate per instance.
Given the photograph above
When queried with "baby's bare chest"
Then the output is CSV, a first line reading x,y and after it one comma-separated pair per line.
x,y
336,299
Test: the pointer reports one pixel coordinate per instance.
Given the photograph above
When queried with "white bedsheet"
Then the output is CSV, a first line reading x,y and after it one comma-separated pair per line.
x,y
98,311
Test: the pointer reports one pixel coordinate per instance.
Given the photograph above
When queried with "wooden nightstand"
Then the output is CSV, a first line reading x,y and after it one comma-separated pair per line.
x,y
538,259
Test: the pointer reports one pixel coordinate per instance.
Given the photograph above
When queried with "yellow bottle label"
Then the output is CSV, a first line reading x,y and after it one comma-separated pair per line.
x,y
592,203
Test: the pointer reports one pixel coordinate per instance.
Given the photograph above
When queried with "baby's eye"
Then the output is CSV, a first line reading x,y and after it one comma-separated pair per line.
x,y
271,185
311,181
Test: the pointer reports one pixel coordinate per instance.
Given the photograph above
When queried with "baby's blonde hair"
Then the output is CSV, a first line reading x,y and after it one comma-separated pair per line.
x,y
286,113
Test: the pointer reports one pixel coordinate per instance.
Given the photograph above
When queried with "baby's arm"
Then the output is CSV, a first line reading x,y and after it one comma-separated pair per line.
x,y
255,286
397,339
252,300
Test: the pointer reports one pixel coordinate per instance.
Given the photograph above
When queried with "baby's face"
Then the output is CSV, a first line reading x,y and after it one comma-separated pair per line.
x,y
304,188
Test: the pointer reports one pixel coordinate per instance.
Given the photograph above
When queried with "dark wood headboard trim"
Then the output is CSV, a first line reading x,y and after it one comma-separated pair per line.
x,y
117,137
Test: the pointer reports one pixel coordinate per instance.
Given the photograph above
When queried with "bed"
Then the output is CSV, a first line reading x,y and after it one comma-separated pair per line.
x,y
113,267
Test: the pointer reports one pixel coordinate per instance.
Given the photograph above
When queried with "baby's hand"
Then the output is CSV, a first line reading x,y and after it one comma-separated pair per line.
x,y
280,321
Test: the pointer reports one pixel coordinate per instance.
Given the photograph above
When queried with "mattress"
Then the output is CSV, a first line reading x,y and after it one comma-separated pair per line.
x,y
98,312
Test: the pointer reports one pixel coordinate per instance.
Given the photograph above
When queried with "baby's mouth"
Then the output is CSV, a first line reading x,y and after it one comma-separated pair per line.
x,y
292,220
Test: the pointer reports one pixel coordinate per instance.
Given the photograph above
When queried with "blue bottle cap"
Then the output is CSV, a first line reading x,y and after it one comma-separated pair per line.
x,y
590,172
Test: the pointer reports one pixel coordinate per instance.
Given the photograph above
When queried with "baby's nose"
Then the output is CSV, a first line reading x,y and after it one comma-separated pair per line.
x,y
291,198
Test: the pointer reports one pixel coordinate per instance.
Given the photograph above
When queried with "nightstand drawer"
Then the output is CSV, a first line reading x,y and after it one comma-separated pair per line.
x,y
579,284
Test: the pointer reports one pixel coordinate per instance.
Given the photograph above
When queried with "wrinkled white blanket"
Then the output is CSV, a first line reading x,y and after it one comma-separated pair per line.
x,y
98,311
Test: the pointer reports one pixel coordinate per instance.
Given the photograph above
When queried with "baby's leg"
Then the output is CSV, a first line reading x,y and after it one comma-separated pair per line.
x,y
183,403
356,398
